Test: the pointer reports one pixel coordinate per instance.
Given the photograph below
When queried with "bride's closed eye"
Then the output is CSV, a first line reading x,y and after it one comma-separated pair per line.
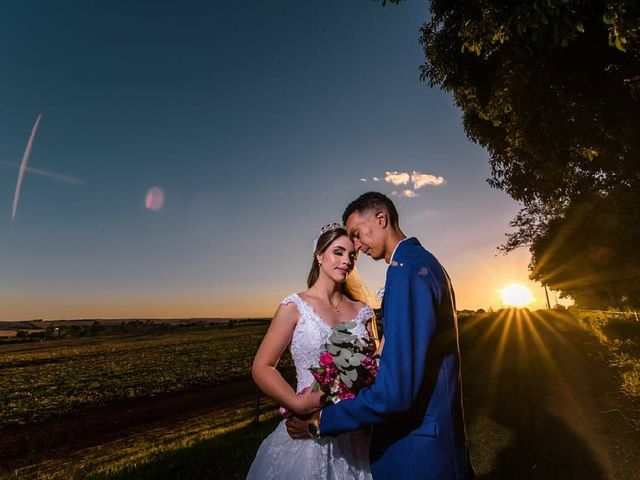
x,y
352,256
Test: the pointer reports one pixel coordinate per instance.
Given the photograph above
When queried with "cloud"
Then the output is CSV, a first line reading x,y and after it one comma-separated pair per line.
x,y
415,180
407,193
397,178
420,180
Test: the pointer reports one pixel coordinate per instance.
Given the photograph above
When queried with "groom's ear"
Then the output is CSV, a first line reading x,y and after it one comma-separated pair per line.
x,y
383,219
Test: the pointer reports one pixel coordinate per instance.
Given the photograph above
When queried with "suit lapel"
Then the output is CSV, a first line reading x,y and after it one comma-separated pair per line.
x,y
409,241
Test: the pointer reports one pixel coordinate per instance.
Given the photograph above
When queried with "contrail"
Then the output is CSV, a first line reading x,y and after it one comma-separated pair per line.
x,y
23,167
45,173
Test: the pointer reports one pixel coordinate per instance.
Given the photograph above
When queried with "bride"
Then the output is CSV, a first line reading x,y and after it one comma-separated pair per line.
x,y
304,322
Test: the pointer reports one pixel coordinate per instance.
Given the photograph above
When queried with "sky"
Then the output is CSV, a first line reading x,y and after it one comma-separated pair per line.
x,y
189,152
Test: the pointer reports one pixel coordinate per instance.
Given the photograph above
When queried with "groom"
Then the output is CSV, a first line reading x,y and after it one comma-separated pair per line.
x,y
415,404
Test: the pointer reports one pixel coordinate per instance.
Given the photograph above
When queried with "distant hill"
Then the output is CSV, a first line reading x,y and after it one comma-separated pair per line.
x,y
43,324
23,325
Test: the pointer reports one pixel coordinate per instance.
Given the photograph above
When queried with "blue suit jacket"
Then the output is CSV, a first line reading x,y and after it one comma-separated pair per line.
x,y
415,404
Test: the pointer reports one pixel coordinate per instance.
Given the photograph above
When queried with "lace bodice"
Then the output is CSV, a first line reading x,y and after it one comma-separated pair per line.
x,y
344,457
311,334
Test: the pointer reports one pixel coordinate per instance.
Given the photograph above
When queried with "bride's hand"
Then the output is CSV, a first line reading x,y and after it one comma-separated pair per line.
x,y
309,401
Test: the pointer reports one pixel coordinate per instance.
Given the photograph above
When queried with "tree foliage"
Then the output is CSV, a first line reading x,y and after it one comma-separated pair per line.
x,y
551,89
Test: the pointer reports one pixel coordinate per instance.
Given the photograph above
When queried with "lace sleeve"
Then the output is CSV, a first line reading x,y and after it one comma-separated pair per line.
x,y
364,315
300,305
293,298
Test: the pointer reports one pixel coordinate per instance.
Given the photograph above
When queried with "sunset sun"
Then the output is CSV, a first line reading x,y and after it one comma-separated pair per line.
x,y
516,295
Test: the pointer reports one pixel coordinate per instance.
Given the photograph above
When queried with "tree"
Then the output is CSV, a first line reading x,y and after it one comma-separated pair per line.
x,y
590,253
551,89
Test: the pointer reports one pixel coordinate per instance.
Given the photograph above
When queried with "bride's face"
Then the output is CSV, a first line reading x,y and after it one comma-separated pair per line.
x,y
338,259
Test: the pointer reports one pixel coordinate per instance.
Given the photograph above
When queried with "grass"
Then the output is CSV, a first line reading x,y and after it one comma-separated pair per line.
x,y
219,445
41,380
506,372
227,456
621,336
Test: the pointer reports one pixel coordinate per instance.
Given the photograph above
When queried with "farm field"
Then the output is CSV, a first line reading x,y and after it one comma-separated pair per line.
x,y
544,399
40,380
216,444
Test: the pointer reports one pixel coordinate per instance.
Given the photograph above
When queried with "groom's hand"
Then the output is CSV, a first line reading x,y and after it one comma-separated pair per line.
x,y
298,426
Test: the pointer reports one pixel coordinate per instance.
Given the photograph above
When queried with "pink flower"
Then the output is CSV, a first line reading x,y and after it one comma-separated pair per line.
x,y
328,375
344,392
326,359
284,412
332,370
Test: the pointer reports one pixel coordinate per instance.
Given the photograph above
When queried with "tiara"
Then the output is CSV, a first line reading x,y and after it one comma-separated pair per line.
x,y
328,228
331,227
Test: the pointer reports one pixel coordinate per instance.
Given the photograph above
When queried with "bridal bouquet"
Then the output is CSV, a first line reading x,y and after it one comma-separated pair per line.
x,y
347,364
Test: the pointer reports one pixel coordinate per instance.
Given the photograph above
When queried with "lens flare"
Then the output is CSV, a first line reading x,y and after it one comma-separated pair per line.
x,y
516,295
154,199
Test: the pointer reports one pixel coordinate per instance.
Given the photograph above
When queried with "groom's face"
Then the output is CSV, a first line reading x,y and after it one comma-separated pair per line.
x,y
367,232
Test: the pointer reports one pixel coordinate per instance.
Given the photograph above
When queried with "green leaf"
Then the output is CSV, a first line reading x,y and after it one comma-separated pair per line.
x,y
337,338
345,326
340,361
356,359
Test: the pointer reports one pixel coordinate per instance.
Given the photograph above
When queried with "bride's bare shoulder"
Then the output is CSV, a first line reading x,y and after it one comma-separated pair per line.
x,y
358,304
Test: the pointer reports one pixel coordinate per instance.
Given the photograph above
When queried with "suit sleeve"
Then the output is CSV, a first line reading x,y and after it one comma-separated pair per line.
x,y
410,322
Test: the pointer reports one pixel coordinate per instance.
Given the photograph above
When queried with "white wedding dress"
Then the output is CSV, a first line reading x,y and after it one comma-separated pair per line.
x,y
344,457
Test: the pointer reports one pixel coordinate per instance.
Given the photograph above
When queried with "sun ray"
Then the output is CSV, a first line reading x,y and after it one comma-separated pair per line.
x,y
504,318
471,323
522,342
548,361
480,344
549,322
496,363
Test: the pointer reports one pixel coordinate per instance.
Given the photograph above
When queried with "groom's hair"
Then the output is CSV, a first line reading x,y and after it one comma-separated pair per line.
x,y
372,201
